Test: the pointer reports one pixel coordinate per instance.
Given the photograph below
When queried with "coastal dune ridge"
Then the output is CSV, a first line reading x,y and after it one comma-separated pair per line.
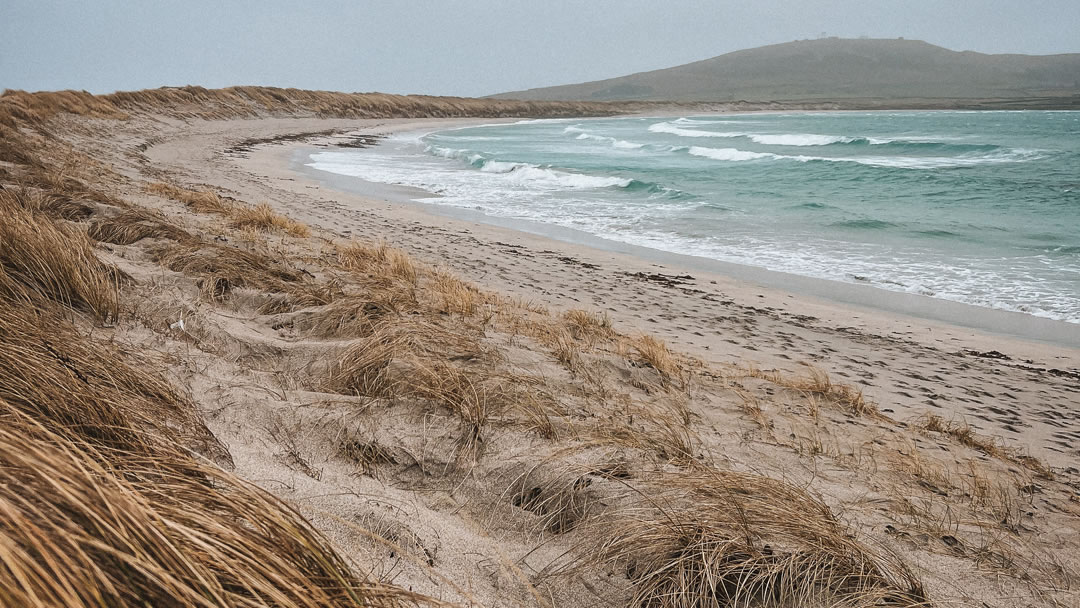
x,y
228,381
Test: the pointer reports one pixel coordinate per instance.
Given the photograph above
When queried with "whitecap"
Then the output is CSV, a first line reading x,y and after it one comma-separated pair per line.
x,y
671,129
796,139
730,154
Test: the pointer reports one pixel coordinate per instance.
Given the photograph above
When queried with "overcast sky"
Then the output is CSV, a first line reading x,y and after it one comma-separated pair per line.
x,y
467,47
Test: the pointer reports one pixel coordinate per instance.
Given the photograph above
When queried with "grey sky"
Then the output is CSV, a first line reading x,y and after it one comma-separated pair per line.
x,y
466,47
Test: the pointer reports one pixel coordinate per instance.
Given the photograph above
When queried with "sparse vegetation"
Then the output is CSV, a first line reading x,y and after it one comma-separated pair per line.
x,y
261,217
534,444
204,201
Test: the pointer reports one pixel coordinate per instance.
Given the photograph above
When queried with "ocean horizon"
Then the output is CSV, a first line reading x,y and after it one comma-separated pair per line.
x,y
981,208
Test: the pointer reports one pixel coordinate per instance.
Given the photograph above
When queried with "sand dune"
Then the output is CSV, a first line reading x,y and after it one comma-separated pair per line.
x,y
274,392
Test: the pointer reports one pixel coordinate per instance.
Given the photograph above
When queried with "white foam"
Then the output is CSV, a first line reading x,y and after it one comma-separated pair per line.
x,y
615,143
560,180
667,127
498,166
896,162
928,162
796,139
729,154
532,121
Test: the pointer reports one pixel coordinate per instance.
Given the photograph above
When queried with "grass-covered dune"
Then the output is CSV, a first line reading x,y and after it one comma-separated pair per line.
x,y
205,402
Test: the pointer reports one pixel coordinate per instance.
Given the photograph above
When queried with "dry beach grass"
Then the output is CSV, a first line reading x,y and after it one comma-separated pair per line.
x,y
211,403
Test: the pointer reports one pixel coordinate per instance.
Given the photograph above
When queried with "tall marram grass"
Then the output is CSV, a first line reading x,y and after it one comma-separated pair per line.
x,y
42,260
105,504
167,531
91,390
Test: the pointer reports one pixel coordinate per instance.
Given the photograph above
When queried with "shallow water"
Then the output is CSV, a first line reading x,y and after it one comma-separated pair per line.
x,y
975,207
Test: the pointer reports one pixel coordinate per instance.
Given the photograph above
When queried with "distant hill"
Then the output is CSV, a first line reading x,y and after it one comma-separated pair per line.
x,y
837,69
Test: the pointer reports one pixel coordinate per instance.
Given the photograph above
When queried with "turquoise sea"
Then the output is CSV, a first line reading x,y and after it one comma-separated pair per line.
x,y
975,207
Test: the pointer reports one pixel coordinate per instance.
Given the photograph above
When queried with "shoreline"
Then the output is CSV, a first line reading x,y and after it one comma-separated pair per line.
x,y
1021,390
998,322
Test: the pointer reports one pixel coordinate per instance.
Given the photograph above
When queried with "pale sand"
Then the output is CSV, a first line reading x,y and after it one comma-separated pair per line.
x,y
247,375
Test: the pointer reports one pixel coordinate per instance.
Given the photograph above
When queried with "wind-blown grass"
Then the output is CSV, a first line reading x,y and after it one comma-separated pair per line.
x,y
711,538
262,217
41,260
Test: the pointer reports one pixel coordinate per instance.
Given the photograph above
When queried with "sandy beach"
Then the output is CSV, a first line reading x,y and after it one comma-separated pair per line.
x,y
534,417
909,364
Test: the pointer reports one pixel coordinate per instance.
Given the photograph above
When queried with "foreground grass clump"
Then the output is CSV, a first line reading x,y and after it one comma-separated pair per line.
x,y
90,528
105,505
42,260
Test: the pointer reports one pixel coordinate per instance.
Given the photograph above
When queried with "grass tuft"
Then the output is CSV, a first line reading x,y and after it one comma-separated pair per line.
x,y
135,225
707,537
263,218
379,260
198,201
42,260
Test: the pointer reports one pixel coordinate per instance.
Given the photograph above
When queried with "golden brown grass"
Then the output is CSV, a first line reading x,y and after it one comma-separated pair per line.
x,y
363,369
711,538
462,393
39,202
220,268
653,352
454,296
164,529
90,389
962,433
380,261
42,260
817,385
204,201
588,327
263,218
358,316
20,107
134,225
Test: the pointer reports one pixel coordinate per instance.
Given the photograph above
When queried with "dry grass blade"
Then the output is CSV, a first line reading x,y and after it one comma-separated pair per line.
x,y
654,429
379,260
965,435
709,538
90,390
135,225
357,316
221,268
454,296
169,531
263,218
42,260
198,201
364,367
458,391
588,326
818,384
52,205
